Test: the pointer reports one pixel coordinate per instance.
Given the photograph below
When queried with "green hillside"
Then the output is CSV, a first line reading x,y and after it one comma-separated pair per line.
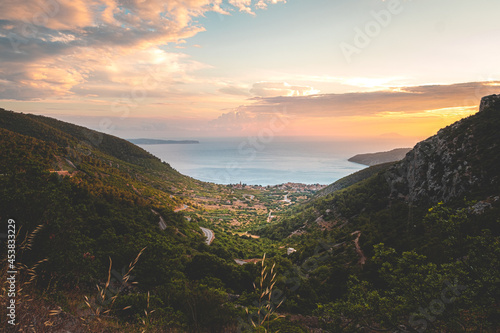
x,y
406,247
409,232
82,199
353,179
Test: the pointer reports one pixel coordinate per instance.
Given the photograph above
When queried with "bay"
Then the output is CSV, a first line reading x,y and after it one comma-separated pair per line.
x,y
259,162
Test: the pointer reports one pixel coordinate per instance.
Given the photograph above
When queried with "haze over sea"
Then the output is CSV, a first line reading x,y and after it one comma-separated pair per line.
x,y
254,162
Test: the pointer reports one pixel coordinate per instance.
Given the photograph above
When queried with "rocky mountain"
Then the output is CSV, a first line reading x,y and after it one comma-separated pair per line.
x,y
460,160
402,233
380,158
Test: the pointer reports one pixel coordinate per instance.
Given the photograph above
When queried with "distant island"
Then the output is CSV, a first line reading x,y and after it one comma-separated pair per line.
x,y
379,158
161,142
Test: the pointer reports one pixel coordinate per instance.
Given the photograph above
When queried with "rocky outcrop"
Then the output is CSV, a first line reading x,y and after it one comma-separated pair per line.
x,y
459,160
489,101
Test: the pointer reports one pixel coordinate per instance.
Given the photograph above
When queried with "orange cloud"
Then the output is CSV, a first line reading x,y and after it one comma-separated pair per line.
x,y
52,14
53,47
272,89
414,111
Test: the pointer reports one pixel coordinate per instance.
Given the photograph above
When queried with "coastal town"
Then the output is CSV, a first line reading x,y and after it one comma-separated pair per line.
x,y
293,187
241,208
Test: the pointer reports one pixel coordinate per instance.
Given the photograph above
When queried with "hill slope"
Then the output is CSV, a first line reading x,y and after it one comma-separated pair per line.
x,y
353,179
88,203
461,159
379,158
398,239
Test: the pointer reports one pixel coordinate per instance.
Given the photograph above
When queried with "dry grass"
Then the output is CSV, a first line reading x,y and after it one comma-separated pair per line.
x,y
266,309
146,322
101,305
35,313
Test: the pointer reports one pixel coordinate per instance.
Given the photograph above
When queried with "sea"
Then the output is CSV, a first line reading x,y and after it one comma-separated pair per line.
x,y
254,161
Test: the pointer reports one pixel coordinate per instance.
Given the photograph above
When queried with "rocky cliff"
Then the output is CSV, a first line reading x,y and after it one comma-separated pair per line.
x,y
462,159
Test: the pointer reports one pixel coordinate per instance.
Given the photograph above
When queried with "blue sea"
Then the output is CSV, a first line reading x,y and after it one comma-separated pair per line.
x,y
254,162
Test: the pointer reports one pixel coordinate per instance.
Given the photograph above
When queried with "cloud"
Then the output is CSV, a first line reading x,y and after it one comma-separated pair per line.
x,y
53,47
262,4
128,15
233,120
52,14
272,89
235,90
246,5
243,5
243,121
398,101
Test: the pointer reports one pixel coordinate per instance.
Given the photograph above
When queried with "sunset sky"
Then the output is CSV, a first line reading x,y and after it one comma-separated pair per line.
x,y
197,68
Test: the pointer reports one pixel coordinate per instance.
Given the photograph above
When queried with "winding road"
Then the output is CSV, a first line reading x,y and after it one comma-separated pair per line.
x,y
184,207
161,222
270,216
209,234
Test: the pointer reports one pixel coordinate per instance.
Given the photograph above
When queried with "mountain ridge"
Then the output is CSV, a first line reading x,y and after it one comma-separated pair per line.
x,y
372,159
460,158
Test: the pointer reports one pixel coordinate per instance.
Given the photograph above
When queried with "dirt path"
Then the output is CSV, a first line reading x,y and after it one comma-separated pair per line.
x,y
359,251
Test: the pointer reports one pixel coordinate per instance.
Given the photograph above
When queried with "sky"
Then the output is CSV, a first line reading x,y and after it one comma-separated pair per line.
x,y
207,68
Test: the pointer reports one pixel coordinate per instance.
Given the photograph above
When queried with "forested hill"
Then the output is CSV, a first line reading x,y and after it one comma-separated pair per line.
x,y
82,151
401,238
75,137
85,204
67,176
353,179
